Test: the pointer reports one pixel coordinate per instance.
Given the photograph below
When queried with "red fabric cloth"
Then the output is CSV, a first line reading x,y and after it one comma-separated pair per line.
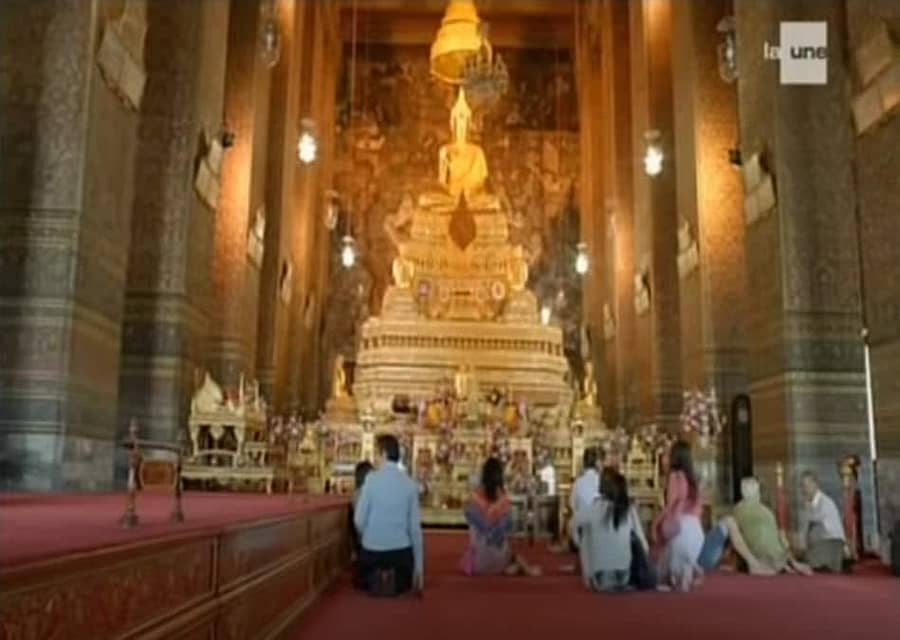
x,y
727,606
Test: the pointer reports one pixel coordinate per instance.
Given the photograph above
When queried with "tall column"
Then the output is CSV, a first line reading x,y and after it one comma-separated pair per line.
x,y
593,111
66,181
283,131
658,327
233,327
309,238
168,298
619,214
804,313
711,262
876,158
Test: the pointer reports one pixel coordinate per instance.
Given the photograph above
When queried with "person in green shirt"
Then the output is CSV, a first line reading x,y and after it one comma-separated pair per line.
x,y
760,531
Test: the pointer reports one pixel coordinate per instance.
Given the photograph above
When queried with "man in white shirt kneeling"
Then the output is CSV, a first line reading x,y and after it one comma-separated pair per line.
x,y
821,528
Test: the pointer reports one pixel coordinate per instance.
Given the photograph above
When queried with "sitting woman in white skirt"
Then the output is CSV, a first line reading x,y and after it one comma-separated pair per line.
x,y
604,529
678,533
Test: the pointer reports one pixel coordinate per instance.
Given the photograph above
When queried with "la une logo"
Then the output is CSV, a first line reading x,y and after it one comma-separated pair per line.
x,y
802,52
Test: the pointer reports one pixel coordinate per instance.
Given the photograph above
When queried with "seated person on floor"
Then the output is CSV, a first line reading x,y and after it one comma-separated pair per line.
x,y
387,517
606,529
677,533
586,489
753,533
489,517
821,529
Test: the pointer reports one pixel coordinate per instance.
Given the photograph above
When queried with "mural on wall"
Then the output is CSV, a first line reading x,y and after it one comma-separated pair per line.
x,y
387,150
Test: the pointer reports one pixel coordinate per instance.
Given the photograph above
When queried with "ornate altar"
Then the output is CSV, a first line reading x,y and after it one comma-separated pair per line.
x,y
458,300
229,446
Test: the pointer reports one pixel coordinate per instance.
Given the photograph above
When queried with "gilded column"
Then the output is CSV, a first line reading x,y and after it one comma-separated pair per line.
x,y
277,264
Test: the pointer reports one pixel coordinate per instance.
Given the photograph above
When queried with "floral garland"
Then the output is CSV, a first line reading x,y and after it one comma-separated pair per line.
x,y
700,416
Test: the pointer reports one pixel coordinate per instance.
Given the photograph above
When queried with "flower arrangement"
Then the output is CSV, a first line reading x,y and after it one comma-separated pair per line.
x,y
700,417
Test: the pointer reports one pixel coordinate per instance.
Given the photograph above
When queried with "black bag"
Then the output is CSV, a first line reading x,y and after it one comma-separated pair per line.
x,y
643,573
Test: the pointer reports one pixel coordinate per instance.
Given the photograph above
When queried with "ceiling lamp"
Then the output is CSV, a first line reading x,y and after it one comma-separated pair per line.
x,y
582,262
653,156
348,252
307,145
458,39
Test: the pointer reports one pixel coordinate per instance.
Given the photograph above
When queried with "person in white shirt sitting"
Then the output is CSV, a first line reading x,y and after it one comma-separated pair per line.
x,y
585,490
821,528
610,533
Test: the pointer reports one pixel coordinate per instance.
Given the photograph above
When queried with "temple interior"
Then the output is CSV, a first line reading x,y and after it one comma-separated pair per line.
x,y
241,241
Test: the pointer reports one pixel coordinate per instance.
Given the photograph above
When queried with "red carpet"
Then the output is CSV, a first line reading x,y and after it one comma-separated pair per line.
x,y
727,607
34,527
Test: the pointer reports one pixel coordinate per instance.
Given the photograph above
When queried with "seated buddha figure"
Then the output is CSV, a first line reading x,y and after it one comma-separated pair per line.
x,y
462,166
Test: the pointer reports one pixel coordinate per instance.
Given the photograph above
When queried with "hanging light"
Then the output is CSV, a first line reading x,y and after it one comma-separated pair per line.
x,y
582,262
269,34
307,145
348,252
546,314
653,156
332,209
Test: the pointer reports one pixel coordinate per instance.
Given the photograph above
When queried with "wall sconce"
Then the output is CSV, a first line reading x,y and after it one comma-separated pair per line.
x,y
582,261
307,145
726,52
546,313
348,252
653,156
269,34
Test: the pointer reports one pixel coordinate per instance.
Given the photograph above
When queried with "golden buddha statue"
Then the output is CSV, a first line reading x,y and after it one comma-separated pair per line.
x,y
339,381
462,166
589,390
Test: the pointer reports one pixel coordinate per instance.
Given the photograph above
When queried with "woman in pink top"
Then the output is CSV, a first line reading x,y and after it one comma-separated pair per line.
x,y
677,531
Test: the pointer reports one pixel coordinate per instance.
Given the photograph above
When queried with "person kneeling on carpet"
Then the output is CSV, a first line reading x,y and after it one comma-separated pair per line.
x,y
489,517
612,545
389,524
363,469
821,528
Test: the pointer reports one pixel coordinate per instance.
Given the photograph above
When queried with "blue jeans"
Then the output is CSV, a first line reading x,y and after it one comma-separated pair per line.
x,y
713,547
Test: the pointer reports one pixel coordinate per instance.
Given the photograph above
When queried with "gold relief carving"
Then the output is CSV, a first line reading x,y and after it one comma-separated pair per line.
x,y
109,602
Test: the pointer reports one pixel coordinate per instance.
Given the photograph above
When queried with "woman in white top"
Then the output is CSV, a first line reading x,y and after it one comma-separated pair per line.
x,y
605,528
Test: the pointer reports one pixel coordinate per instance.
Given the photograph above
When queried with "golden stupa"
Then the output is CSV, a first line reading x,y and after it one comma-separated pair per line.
x,y
458,300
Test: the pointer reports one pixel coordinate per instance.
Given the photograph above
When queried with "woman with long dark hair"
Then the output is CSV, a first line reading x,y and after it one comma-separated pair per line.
x,y
488,515
606,529
678,533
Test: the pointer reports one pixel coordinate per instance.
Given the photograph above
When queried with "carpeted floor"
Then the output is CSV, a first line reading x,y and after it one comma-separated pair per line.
x,y
34,527
553,607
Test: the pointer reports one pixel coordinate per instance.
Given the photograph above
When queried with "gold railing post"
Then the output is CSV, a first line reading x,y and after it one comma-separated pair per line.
x,y
129,519
177,513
